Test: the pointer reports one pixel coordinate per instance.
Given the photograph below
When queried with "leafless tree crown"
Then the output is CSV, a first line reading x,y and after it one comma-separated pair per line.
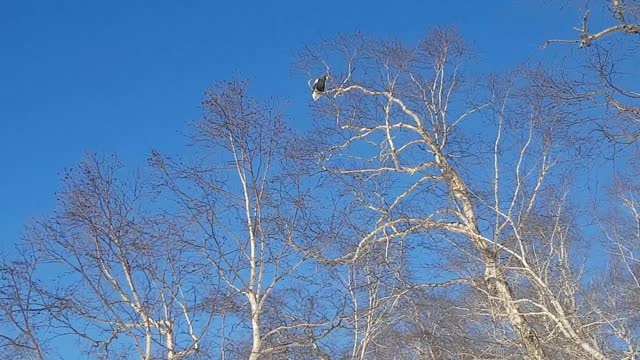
x,y
430,213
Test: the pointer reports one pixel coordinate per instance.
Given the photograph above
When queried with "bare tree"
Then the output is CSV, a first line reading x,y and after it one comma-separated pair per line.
x,y
23,309
398,141
604,87
243,202
430,213
130,286
615,298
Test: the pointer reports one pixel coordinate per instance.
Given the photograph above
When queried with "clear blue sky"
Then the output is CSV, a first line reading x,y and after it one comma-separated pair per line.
x,y
125,77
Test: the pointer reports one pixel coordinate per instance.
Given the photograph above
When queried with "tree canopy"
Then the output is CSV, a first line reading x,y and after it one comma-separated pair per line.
x,y
429,212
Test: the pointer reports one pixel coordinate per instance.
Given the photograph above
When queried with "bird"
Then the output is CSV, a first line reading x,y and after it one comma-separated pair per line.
x,y
319,87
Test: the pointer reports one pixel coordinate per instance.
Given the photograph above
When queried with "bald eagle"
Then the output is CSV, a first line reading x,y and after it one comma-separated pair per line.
x,y
319,87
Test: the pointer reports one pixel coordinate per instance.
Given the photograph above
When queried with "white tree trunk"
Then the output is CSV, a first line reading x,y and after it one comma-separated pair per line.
x,y
255,327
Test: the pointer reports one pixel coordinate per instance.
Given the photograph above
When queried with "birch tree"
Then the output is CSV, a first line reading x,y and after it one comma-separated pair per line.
x,y
243,203
399,127
127,287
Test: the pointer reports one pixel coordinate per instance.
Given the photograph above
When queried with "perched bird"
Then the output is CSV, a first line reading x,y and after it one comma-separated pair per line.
x,y
318,87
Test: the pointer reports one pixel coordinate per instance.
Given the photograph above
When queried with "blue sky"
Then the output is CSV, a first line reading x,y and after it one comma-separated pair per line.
x,y
125,77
